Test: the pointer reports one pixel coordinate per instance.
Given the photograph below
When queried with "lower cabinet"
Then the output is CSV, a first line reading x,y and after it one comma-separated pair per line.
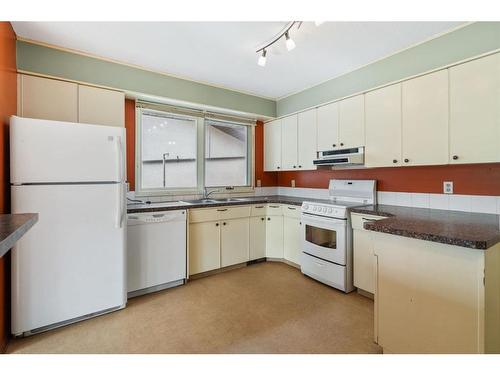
x,y
204,247
257,237
235,237
436,298
274,237
363,256
292,234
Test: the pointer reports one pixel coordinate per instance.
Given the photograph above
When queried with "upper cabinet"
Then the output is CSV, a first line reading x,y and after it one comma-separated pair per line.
x,y
272,146
307,140
383,127
328,126
99,106
475,111
48,99
425,119
289,143
352,122
51,99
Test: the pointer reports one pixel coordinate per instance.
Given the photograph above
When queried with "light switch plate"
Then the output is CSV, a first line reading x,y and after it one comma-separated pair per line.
x,y
448,187
293,183
259,183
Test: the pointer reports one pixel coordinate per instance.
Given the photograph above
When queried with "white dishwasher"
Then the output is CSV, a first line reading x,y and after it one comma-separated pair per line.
x,y
156,251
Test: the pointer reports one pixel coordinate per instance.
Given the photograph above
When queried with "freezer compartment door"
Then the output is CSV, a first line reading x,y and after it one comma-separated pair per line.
x,y
43,151
72,262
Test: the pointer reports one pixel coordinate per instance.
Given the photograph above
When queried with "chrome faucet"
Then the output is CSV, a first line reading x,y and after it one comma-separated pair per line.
x,y
207,193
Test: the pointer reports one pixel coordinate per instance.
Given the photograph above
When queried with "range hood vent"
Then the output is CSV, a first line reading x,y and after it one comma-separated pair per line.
x,y
348,156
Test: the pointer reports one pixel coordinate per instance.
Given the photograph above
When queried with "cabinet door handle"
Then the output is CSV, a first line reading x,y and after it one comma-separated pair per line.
x,y
274,206
455,157
262,218
407,160
394,161
341,144
291,208
216,224
222,209
300,166
295,166
268,219
259,206
334,145
224,223
278,167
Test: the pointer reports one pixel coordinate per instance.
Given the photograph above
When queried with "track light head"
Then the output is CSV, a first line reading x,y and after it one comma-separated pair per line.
x,y
262,58
290,44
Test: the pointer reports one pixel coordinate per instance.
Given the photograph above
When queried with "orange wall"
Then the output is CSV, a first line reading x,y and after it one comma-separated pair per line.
x,y
130,129
8,106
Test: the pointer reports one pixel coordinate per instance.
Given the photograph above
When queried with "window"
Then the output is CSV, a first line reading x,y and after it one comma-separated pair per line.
x,y
168,152
183,154
226,154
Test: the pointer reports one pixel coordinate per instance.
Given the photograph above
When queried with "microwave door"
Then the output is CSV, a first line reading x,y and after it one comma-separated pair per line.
x,y
325,238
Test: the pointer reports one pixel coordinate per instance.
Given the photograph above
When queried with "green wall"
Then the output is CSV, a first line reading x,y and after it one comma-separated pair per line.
x,y
50,61
466,42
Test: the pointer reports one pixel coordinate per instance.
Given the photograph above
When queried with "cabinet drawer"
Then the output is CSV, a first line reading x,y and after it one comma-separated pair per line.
x,y
203,214
274,210
259,210
291,211
358,220
233,212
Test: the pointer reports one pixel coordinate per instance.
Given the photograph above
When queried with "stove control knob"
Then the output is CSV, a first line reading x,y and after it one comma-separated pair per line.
x,y
330,210
306,206
324,209
315,208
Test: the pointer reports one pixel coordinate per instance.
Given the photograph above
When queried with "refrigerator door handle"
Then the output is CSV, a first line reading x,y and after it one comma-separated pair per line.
x,y
120,157
122,204
120,211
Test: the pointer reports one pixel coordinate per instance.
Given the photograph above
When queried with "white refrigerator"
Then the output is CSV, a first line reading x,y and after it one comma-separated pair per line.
x,y
71,265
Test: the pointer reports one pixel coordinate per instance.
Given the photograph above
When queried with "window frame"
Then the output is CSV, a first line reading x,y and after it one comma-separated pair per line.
x,y
200,157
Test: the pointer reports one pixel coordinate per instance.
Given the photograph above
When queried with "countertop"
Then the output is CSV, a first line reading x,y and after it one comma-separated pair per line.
x,y
466,229
12,228
166,206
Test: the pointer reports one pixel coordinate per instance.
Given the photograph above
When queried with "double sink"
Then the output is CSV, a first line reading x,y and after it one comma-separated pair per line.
x,y
217,201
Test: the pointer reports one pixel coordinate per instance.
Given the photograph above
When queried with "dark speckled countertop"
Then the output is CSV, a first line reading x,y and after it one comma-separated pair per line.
x,y
466,229
166,206
12,228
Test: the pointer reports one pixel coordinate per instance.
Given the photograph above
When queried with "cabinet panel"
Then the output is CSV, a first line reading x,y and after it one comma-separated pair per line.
x,y
204,247
272,146
257,237
475,111
100,106
49,99
234,241
363,271
352,122
425,119
292,239
274,237
328,127
289,143
383,127
307,137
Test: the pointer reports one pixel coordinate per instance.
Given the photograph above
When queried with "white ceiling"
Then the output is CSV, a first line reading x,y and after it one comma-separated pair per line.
x,y
223,53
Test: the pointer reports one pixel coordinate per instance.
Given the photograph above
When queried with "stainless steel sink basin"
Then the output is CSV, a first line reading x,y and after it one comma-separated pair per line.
x,y
226,200
200,201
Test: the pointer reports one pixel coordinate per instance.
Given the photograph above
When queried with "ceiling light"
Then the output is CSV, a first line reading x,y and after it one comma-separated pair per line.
x,y
262,58
319,23
290,44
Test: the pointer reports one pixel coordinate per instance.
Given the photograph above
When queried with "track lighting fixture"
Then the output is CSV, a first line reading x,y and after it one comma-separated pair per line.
x,y
290,44
262,58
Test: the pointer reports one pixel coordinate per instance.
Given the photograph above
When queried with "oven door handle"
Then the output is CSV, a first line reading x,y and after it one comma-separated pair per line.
x,y
323,223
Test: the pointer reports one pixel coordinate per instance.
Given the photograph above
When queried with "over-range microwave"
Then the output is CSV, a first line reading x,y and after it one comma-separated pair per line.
x,y
347,156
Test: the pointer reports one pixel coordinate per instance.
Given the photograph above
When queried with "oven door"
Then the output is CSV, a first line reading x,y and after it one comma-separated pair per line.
x,y
324,238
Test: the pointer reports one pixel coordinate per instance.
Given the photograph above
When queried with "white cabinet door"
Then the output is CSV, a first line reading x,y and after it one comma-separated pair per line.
x,y
475,111
272,146
48,99
383,127
352,122
274,237
307,133
234,241
100,106
292,239
289,143
204,247
257,237
425,119
328,127
364,260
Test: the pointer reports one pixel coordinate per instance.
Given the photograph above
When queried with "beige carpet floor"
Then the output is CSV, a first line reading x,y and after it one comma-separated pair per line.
x,y
263,308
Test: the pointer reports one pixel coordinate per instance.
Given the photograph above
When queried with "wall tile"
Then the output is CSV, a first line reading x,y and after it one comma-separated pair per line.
x,y
483,203
498,205
403,199
420,200
439,201
460,203
386,197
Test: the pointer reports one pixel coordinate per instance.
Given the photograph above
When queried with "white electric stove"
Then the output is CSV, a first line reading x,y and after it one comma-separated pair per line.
x,y
327,233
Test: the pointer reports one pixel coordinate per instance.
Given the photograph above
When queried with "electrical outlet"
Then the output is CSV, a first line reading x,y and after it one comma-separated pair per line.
x,y
293,183
259,184
448,187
